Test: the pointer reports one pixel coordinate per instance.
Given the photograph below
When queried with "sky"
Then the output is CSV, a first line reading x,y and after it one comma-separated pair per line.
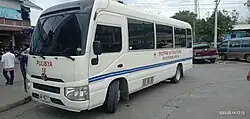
x,y
163,7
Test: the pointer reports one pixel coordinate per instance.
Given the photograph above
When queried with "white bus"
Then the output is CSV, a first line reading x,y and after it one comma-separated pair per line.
x,y
91,53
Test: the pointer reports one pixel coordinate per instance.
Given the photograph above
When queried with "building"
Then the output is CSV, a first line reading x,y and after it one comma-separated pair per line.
x,y
15,23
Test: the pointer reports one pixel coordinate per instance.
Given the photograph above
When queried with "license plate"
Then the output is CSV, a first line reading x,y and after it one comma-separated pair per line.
x,y
44,98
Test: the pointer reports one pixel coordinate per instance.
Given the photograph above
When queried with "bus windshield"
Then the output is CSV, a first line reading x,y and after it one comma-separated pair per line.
x,y
60,35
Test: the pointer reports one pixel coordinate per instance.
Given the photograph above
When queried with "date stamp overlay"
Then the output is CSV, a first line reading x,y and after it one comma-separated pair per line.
x,y
232,113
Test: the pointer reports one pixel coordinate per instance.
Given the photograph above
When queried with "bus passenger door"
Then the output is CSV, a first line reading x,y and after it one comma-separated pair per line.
x,y
107,33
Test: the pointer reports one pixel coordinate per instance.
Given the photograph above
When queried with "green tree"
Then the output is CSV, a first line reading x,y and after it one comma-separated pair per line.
x,y
226,20
205,27
186,16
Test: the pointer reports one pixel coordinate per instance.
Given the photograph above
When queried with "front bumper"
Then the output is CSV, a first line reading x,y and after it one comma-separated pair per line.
x,y
55,99
206,57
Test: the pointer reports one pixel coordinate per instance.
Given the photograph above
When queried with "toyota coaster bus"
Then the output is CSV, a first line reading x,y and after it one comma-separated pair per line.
x,y
91,53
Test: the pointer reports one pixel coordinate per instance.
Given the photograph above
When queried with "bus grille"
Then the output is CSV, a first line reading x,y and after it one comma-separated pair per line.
x,y
48,79
42,87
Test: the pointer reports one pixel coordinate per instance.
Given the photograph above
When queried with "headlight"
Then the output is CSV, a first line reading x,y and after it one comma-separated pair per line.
x,y
77,93
28,84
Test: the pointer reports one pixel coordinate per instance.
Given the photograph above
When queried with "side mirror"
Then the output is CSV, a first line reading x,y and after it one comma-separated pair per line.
x,y
97,46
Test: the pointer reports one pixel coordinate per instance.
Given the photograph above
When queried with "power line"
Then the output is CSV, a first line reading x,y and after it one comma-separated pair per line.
x,y
154,7
162,5
184,4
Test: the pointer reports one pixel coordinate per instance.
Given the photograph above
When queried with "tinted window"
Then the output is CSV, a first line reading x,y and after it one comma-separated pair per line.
x,y
235,44
224,45
52,37
189,38
240,33
141,35
180,38
245,43
164,36
110,37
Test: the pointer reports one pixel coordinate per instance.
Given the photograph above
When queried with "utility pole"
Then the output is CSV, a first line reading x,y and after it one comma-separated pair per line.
x,y
194,22
217,2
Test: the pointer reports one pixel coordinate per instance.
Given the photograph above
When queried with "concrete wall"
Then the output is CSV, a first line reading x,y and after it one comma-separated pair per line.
x,y
14,4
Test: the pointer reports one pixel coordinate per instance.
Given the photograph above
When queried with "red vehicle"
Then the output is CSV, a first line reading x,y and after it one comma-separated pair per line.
x,y
204,52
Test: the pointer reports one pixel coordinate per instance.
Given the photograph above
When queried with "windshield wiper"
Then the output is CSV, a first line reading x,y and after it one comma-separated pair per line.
x,y
40,55
73,59
62,54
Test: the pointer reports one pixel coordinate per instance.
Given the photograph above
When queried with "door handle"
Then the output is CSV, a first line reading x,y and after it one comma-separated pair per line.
x,y
120,65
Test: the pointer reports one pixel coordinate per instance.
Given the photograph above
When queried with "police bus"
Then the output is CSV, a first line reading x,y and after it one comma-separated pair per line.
x,y
91,53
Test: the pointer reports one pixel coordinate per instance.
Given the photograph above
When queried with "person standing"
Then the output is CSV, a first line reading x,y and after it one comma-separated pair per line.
x,y
8,61
23,64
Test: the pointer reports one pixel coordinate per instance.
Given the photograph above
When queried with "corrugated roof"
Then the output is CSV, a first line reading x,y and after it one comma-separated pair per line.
x,y
30,4
241,26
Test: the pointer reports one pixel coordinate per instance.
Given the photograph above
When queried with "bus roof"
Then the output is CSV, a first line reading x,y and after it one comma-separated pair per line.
x,y
245,38
119,8
241,26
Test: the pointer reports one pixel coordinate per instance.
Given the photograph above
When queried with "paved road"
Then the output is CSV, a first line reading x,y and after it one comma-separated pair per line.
x,y
207,92
18,76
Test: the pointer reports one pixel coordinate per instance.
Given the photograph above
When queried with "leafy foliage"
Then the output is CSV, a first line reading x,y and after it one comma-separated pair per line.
x,y
205,26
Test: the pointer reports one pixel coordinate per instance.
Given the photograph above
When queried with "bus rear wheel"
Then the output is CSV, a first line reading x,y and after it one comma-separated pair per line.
x,y
112,97
178,75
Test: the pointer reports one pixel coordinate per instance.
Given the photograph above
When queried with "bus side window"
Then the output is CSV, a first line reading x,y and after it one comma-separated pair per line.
x,y
110,38
164,36
141,34
180,38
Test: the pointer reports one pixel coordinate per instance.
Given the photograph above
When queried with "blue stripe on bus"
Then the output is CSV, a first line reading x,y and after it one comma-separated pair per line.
x,y
127,71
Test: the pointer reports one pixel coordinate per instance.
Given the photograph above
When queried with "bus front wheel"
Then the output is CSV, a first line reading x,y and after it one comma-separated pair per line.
x,y
112,97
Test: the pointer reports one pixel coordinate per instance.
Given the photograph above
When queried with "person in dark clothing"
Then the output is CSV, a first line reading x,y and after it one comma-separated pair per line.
x,y
23,63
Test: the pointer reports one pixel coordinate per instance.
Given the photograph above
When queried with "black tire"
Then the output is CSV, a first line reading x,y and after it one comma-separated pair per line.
x,y
112,97
247,58
223,57
178,75
212,60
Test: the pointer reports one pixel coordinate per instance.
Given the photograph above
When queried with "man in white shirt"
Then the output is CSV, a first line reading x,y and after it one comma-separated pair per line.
x,y
8,61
